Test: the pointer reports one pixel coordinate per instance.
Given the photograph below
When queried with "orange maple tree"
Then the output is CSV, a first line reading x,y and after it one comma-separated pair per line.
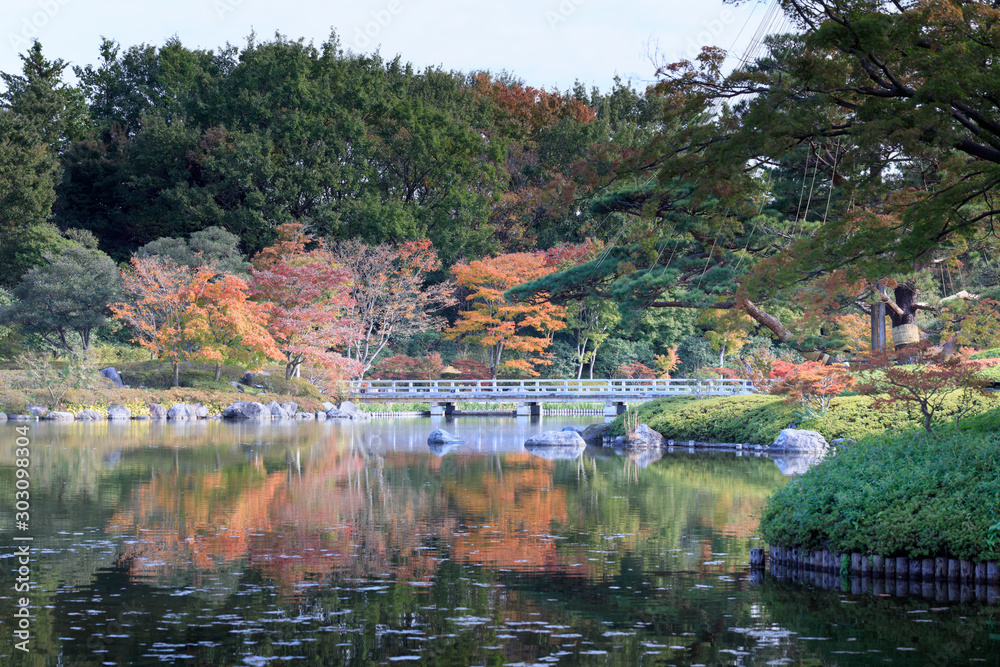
x,y
181,314
308,295
496,324
810,384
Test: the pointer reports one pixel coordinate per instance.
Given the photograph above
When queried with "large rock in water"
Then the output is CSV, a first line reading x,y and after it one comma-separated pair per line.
x,y
157,411
112,375
277,412
246,410
794,440
60,417
118,412
442,437
644,437
3,417
556,439
89,416
291,408
592,434
347,410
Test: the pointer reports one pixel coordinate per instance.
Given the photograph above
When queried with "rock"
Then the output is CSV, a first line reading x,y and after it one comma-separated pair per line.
x,y
200,411
277,412
327,406
142,418
89,416
3,417
37,411
347,410
157,411
575,429
254,379
320,416
290,408
644,437
247,410
60,417
442,437
118,412
21,418
799,440
112,375
236,385
181,411
556,439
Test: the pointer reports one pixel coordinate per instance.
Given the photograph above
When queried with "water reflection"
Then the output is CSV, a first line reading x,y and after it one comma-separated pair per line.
x,y
209,543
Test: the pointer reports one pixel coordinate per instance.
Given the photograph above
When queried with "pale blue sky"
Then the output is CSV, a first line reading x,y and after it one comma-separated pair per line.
x,y
548,43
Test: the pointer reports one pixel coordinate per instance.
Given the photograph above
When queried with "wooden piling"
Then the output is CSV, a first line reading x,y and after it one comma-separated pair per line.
x,y
902,567
967,571
954,570
878,566
856,563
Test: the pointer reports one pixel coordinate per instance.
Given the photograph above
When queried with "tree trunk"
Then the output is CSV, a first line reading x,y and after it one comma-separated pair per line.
x,y
904,331
177,374
218,372
593,358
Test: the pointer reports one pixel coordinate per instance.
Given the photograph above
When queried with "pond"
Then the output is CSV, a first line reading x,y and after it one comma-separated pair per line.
x,y
208,543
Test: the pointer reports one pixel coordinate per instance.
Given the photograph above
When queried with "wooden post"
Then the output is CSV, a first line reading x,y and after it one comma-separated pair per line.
x,y
878,326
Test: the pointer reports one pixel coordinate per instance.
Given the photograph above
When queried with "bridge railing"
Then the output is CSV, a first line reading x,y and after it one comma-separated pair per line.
x,y
552,388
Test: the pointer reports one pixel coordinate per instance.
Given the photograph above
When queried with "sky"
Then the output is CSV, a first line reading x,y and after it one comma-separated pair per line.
x,y
546,43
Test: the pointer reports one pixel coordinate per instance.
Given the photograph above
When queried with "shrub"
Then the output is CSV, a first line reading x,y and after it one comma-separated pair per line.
x,y
895,495
402,367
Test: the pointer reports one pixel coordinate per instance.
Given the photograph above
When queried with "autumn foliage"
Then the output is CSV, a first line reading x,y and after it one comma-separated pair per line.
x,y
403,367
499,326
810,384
929,377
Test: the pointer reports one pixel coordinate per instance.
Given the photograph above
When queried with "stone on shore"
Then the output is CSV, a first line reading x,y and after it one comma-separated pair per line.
x,y
247,410
58,416
349,411
37,411
181,411
118,412
799,440
290,408
157,411
644,437
556,439
200,411
442,437
3,417
112,374
89,416
277,412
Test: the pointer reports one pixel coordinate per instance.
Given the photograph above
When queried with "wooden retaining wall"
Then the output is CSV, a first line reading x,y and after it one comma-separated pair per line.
x,y
941,577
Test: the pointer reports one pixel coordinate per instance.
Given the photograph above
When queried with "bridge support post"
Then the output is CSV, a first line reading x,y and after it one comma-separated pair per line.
x,y
442,409
529,410
615,408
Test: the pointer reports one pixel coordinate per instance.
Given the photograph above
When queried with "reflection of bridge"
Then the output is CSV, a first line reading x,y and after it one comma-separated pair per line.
x,y
530,394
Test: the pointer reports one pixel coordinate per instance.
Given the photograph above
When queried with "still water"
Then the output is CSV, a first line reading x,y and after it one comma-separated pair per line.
x,y
333,544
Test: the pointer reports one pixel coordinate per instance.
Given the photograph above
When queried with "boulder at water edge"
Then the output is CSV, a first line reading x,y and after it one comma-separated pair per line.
x,y
60,417
347,410
157,411
799,440
246,410
37,411
442,437
3,417
556,439
643,437
290,408
112,375
592,434
277,412
182,411
89,416
20,418
118,412
200,411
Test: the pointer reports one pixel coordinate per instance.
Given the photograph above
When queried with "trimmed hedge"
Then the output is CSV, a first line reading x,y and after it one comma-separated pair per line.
x,y
896,495
759,419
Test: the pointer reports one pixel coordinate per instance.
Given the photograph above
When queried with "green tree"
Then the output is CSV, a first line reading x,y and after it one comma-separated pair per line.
x,y
210,246
69,295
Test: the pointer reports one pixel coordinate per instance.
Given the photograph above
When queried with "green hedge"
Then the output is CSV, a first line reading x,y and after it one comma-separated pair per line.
x,y
759,419
896,495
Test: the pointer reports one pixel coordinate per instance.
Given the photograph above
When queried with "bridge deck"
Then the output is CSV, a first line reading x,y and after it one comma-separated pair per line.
x,y
540,391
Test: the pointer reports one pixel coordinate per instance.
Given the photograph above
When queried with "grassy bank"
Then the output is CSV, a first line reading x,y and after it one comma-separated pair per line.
x,y
897,495
759,419
150,382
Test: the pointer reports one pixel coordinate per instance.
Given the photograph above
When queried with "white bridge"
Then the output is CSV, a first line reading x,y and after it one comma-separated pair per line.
x,y
530,394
